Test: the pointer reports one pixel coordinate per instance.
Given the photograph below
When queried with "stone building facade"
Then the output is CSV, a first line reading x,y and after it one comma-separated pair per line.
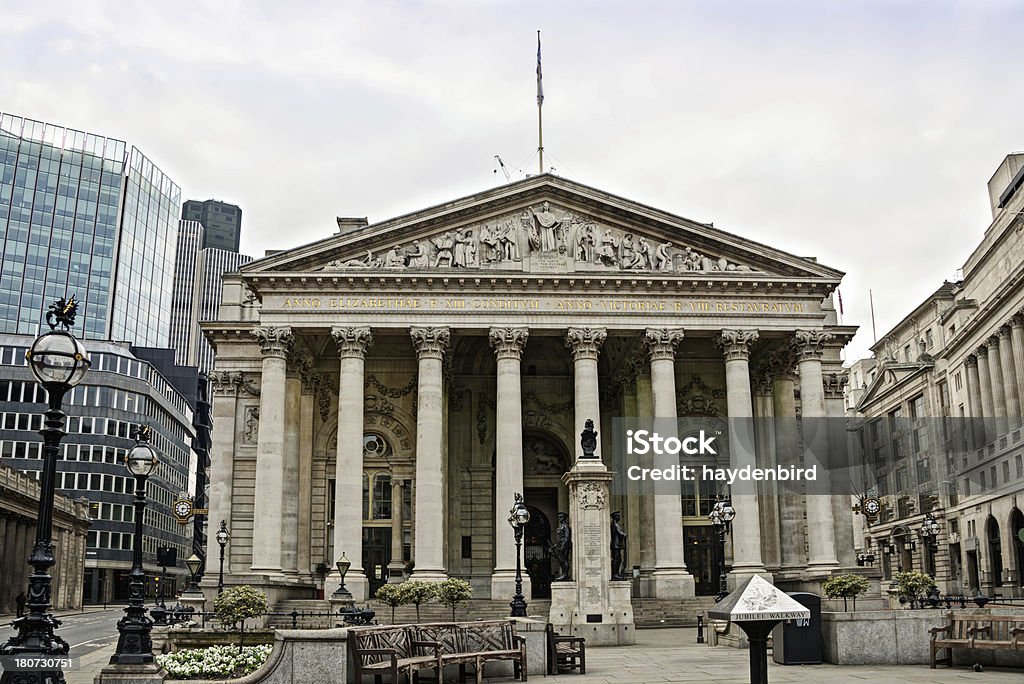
x,y
959,358
19,510
384,392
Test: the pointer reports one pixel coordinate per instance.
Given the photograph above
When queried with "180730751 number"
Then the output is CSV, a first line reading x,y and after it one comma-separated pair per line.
x,y
27,663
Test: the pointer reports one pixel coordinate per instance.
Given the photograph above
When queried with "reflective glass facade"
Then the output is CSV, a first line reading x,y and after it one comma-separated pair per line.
x,y
82,215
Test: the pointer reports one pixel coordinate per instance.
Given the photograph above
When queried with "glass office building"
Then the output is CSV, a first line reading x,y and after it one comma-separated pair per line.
x,y
85,215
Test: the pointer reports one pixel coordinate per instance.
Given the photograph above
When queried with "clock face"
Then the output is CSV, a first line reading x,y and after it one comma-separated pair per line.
x,y
872,507
183,508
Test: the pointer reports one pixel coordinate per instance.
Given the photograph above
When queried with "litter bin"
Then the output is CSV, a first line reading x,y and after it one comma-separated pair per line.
x,y
798,642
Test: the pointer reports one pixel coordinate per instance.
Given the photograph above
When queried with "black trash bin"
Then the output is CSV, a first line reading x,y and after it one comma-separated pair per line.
x,y
798,642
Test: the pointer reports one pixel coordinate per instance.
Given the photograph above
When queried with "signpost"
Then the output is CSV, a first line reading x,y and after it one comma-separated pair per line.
x,y
756,606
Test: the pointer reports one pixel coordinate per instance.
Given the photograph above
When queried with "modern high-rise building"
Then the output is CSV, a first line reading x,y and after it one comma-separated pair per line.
x,y
84,215
125,387
198,273
222,221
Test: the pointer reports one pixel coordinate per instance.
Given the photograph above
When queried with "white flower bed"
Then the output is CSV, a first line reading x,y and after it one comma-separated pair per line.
x,y
216,662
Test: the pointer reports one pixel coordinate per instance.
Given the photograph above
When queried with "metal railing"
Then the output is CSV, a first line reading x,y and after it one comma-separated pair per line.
x,y
326,619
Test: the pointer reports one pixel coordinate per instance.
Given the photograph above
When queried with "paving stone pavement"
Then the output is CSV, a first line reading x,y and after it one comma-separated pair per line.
x,y
672,655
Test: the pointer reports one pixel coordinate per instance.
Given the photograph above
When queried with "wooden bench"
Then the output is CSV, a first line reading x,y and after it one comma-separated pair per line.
x,y
566,652
475,643
391,651
994,632
405,650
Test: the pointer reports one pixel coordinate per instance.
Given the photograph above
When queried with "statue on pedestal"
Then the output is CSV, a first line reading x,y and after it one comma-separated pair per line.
x,y
562,548
618,547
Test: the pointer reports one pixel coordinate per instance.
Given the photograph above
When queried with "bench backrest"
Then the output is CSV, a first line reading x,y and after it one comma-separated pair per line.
x,y
451,636
366,638
493,635
1001,625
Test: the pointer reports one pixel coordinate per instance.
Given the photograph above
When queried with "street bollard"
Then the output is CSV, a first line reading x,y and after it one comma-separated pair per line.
x,y
700,628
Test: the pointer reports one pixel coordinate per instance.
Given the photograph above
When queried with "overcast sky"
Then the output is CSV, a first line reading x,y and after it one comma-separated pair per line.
x,y
862,133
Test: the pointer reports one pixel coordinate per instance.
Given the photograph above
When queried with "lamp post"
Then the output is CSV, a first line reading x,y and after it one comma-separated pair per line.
x,y
342,593
193,564
930,534
518,516
721,516
222,539
59,362
134,646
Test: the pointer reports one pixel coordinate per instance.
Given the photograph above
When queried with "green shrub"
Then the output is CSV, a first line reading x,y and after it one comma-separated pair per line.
x,y
216,662
847,586
913,585
418,592
454,592
391,595
234,606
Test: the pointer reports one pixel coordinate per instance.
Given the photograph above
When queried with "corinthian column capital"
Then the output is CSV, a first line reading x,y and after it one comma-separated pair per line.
x,y
274,341
508,342
585,342
353,342
661,342
807,344
430,342
971,360
735,344
835,384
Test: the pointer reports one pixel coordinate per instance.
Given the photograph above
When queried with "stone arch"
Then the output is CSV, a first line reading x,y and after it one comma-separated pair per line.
x,y
396,425
545,453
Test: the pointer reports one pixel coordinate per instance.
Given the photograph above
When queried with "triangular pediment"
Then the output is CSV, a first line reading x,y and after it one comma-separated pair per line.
x,y
542,225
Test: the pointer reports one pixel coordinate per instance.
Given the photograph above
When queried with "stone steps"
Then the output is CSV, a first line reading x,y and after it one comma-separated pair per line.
x,y
647,612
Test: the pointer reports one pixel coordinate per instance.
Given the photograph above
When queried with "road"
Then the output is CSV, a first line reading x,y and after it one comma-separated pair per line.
x,y
92,636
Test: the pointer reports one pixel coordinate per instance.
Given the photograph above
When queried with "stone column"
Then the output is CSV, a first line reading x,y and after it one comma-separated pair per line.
x,y
807,344
631,502
305,481
5,551
746,534
585,344
267,542
19,559
430,344
224,411
1017,342
974,402
290,470
995,367
670,578
508,344
645,407
987,398
1009,379
397,566
764,430
842,505
353,343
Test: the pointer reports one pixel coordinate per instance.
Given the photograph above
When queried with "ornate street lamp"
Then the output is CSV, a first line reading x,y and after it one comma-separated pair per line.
x,y
193,563
518,516
59,362
341,593
721,516
930,534
134,646
222,539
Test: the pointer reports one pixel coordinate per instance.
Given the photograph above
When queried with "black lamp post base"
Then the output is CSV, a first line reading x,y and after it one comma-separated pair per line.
x,y
35,639
134,644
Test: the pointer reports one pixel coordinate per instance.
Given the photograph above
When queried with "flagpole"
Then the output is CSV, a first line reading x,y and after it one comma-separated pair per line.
x,y
540,109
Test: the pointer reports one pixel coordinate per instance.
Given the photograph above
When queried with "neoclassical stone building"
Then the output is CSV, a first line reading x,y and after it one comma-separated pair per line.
x,y
384,392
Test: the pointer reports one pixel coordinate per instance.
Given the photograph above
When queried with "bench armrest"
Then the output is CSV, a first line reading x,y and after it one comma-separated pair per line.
x,y
973,631
430,644
939,630
569,640
375,651
518,640
1017,634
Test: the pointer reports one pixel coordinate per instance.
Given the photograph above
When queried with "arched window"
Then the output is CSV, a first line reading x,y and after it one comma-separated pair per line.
x,y
995,552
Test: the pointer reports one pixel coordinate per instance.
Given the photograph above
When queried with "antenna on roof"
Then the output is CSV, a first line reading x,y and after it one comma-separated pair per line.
x,y
504,169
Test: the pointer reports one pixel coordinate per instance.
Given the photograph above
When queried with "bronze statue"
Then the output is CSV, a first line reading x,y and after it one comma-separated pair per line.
x,y
562,547
618,547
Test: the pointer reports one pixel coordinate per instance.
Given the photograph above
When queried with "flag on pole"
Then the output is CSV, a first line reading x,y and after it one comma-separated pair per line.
x,y
840,301
540,84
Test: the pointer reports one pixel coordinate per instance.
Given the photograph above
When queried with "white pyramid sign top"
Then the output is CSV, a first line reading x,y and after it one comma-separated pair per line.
x,y
758,599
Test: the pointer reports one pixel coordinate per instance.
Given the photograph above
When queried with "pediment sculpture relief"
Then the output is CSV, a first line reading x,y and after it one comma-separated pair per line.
x,y
542,238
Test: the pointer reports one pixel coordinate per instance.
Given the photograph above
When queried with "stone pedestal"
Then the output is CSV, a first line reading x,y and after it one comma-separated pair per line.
x,y
591,605
194,600
131,674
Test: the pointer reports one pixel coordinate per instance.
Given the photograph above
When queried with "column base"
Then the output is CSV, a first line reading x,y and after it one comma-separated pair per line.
x,y
503,586
821,568
131,674
672,583
356,582
428,575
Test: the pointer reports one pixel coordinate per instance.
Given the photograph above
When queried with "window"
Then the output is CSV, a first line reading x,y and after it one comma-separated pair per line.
x,y
928,339
906,354
382,497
